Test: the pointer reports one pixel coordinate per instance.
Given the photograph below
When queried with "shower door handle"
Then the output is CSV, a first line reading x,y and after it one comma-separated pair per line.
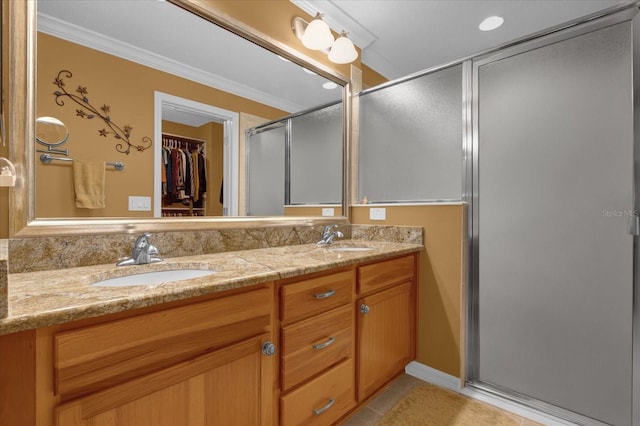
x,y
634,224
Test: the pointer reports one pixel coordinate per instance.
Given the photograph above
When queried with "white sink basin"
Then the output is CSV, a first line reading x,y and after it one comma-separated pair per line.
x,y
351,249
155,277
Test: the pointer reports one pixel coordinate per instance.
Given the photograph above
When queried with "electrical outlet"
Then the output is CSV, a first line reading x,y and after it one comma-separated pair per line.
x,y
378,213
139,203
328,211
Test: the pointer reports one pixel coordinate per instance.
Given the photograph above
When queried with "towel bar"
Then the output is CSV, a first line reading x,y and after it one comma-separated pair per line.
x,y
46,159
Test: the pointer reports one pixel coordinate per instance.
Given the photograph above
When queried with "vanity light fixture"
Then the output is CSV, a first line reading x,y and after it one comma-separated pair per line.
x,y
491,23
340,51
7,173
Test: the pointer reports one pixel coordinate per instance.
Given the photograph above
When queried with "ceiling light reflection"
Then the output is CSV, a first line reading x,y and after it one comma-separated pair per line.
x,y
491,23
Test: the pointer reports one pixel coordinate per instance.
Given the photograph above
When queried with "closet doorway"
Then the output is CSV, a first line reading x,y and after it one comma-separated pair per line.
x,y
191,113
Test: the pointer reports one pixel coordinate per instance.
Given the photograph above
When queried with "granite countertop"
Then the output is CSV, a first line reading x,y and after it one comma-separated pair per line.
x,y
38,299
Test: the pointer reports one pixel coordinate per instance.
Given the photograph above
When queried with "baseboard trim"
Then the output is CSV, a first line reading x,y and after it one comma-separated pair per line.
x,y
433,376
452,383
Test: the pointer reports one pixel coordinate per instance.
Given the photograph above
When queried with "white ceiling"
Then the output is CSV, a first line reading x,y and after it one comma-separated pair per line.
x,y
399,37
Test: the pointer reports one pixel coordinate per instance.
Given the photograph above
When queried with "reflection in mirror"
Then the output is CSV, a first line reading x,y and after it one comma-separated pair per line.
x,y
309,145
315,155
266,169
126,52
205,130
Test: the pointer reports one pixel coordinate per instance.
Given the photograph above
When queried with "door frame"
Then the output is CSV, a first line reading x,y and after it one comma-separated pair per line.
x,y
230,121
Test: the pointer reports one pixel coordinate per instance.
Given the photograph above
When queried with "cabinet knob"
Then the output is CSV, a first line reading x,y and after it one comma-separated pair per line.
x,y
268,348
364,309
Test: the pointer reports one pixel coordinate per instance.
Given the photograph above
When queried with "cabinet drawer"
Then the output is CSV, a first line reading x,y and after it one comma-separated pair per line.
x,y
313,345
382,274
321,401
99,356
306,298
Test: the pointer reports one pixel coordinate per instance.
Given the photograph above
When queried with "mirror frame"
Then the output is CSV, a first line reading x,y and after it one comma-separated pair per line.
x,y
20,119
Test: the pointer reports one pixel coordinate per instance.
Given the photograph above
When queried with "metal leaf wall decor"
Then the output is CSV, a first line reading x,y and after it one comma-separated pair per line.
x,y
88,111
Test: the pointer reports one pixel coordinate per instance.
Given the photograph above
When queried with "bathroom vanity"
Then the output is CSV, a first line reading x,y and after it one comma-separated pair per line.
x,y
287,335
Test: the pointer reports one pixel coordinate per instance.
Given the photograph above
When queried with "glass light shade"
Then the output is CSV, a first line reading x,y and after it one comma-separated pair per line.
x,y
343,51
317,35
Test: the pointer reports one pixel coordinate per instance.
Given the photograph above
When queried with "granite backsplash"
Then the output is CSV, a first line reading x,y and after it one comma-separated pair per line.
x,y
61,252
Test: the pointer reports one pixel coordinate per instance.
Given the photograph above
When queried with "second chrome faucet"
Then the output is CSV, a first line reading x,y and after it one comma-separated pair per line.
x,y
328,234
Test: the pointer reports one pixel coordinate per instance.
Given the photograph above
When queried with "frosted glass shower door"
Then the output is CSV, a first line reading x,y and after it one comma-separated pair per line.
x,y
555,258
316,157
266,173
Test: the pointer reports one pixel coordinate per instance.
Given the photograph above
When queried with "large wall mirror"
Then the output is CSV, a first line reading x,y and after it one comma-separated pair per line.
x,y
134,82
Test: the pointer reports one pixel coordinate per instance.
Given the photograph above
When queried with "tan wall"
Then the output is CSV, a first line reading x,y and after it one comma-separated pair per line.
x,y
213,134
371,78
215,157
310,210
440,286
128,89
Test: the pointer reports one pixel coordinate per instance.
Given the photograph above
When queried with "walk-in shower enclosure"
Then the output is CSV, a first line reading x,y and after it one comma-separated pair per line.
x,y
547,137
552,288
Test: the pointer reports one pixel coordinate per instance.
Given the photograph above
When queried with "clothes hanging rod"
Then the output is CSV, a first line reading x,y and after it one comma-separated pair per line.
x,y
46,159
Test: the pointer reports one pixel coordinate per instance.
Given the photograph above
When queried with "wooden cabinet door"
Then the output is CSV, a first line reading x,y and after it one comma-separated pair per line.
x,y
386,336
231,386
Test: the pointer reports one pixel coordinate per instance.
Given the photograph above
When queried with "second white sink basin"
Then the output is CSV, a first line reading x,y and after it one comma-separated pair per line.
x,y
155,277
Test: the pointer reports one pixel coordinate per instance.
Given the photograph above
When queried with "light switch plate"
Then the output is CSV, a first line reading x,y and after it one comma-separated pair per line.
x,y
330,211
377,213
139,203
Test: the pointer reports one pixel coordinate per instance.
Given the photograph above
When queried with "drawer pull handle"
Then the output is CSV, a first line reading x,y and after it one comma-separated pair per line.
x,y
364,309
325,408
319,346
324,295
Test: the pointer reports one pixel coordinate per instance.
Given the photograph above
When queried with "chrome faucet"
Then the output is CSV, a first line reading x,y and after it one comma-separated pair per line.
x,y
143,252
328,234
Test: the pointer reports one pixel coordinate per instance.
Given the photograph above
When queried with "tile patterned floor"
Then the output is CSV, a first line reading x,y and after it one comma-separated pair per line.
x,y
377,407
